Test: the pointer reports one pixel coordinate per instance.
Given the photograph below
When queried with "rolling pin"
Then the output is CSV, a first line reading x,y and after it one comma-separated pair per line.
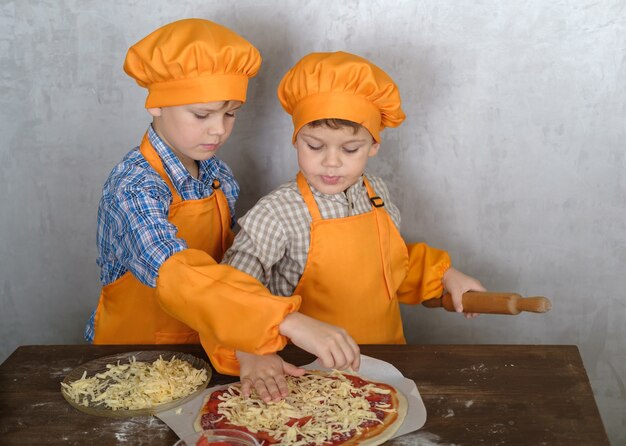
x,y
493,303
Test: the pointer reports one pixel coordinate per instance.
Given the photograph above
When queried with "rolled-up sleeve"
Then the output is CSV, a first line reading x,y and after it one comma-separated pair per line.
x,y
427,265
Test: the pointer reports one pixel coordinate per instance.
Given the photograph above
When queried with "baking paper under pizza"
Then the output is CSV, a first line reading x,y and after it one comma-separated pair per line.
x,y
322,408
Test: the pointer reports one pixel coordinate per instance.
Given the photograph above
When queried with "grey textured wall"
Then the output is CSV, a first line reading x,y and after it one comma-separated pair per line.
x,y
512,156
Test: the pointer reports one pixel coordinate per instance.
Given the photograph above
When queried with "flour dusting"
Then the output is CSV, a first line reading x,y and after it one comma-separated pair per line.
x,y
129,430
33,406
480,368
497,428
60,373
424,439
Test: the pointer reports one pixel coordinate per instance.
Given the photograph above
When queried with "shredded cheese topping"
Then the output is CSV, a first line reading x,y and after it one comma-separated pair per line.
x,y
323,408
137,385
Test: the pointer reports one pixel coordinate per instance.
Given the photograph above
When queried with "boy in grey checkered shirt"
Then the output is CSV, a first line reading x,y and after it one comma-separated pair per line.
x,y
331,236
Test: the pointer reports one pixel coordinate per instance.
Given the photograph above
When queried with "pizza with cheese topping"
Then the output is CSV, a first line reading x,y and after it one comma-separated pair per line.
x,y
322,408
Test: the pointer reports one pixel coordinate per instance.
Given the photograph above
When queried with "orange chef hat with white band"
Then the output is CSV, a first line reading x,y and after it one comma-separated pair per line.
x,y
342,86
191,61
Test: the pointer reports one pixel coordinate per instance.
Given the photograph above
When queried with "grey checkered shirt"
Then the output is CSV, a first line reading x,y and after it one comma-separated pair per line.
x,y
273,242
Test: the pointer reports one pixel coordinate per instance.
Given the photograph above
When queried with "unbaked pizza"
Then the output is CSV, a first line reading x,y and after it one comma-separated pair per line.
x,y
322,408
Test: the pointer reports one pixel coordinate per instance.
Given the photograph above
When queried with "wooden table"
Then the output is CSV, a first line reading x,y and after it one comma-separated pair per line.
x,y
474,395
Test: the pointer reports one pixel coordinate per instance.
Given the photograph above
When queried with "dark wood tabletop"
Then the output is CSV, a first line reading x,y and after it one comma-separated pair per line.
x,y
474,395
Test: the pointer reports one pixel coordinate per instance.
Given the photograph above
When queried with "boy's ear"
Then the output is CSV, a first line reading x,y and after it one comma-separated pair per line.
x,y
155,112
374,149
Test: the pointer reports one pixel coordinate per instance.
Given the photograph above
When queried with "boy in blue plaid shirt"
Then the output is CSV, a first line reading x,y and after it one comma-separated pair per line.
x,y
167,209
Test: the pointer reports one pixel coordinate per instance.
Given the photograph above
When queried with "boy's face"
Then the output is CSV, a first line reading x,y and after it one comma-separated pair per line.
x,y
195,131
332,160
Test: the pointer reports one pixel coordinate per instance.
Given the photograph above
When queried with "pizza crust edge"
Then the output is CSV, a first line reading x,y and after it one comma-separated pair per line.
x,y
393,427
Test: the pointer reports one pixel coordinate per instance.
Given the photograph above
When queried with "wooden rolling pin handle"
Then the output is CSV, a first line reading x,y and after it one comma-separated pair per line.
x,y
493,303
536,304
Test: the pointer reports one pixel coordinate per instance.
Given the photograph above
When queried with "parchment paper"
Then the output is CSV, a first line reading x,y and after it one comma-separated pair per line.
x,y
181,419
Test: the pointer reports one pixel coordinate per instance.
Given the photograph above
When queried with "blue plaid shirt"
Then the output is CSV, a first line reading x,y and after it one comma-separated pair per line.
x,y
133,231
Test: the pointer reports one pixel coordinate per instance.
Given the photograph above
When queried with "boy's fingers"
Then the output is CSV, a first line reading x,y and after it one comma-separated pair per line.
x,y
339,358
357,354
246,386
356,364
281,384
272,388
457,301
292,370
350,354
262,391
327,359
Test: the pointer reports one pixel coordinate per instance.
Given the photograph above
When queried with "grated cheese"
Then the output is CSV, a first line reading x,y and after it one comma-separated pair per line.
x,y
136,385
334,406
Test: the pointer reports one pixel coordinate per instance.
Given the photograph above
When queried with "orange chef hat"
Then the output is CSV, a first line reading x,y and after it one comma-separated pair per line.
x,y
340,85
190,61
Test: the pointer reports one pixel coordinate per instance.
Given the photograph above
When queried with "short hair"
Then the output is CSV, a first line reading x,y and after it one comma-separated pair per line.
x,y
336,123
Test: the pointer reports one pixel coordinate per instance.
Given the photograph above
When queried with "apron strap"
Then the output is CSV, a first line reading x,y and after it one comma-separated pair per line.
x,y
224,211
153,158
384,234
376,201
307,195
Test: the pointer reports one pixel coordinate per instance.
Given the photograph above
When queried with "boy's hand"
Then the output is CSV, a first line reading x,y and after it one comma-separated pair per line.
x,y
456,283
266,373
332,345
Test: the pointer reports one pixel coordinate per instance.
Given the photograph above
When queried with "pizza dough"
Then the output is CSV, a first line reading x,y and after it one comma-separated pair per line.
x,y
322,407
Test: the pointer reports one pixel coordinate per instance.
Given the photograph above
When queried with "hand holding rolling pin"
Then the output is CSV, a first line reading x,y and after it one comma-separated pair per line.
x,y
456,284
493,303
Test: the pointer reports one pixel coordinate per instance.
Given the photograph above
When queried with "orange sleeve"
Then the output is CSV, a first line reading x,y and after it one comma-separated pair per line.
x,y
229,309
222,358
427,266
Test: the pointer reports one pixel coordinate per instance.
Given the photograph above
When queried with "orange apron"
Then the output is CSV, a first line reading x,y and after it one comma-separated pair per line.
x,y
354,268
128,311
